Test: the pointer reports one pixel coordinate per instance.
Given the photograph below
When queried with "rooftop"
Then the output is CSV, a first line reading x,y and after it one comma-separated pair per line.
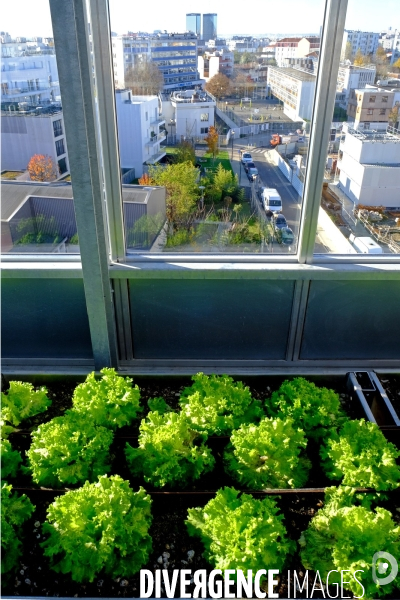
x,y
294,73
391,135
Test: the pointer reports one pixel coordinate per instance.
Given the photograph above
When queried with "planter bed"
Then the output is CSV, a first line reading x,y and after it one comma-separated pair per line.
x,y
33,577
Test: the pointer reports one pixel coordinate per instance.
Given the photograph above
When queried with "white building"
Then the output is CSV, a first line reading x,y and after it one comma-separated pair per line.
x,y
189,115
30,78
140,130
295,47
370,107
296,90
390,41
245,44
350,78
369,164
365,41
212,63
36,131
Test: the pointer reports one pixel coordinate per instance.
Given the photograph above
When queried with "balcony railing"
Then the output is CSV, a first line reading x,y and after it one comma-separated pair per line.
x,y
159,121
156,138
154,158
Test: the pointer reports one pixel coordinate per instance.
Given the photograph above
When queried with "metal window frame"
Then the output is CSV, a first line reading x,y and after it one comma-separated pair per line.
x,y
70,30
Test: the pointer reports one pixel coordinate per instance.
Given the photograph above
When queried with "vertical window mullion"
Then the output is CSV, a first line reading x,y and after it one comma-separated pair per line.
x,y
332,36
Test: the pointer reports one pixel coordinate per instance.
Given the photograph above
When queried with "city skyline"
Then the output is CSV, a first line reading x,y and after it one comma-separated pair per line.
x,y
34,18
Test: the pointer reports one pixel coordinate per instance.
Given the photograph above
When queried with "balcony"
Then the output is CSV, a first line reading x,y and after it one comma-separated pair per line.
x,y
157,122
154,158
156,138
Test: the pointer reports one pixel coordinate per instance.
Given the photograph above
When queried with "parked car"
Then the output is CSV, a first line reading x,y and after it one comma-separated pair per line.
x,y
279,221
287,236
252,172
248,165
246,157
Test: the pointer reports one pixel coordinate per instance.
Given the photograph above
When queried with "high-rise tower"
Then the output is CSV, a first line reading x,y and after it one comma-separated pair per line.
x,y
209,26
193,22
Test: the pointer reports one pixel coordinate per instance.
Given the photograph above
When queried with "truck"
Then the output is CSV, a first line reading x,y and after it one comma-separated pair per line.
x,y
285,139
271,200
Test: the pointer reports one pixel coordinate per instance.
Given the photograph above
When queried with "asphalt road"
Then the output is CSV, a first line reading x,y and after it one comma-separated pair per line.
x,y
271,176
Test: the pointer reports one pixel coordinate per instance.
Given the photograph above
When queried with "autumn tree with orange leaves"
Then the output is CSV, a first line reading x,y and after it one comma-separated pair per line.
x,y
41,167
211,140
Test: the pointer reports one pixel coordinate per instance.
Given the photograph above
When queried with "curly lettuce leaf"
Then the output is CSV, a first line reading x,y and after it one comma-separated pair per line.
x,y
23,401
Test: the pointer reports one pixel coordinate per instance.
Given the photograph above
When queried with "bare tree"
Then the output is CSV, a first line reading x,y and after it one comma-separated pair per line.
x,y
218,85
144,78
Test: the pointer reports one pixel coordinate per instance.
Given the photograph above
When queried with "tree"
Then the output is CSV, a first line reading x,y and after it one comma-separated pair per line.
x,y
180,182
41,167
218,85
145,180
144,78
381,62
348,52
360,59
185,153
212,140
396,65
246,57
243,84
394,116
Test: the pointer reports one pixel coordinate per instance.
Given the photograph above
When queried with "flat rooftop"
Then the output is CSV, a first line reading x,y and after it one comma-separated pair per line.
x,y
294,73
375,136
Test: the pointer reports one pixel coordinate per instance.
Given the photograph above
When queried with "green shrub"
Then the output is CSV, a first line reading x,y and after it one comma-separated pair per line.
x,y
218,404
241,532
10,460
361,456
23,401
101,525
345,537
69,449
170,451
110,401
268,455
311,407
15,510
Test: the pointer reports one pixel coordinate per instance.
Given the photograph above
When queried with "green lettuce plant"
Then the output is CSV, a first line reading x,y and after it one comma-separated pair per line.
x,y
23,401
101,525
312,408
69,449
111,401
345,537
15,510
217,404
159,405
361,456
170,451
10,460
240,532
268,455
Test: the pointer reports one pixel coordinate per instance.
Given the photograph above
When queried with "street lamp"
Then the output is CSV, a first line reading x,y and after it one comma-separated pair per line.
x,y
232,136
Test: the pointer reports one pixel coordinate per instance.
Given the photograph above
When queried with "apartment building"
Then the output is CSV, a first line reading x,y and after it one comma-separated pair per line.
x,y
369,164
33,131
350,78
365,41
141,129
369,108
243,44
390,41
295,89
295,47
175,54
28,74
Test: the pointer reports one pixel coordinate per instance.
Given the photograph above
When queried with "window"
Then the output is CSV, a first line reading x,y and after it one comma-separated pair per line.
x,y
382,111
57,128
385,98
60,147
204,130
147,117
204,117
372,98
62,165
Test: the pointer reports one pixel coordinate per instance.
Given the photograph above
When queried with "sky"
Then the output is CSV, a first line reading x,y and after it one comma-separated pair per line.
x,y
29,18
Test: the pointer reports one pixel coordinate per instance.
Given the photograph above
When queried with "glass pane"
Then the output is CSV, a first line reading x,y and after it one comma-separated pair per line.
x,y
360,204
236,108
37,199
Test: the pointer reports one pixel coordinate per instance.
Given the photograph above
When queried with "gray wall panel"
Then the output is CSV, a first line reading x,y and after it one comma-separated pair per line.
x,y
44,318
355,320
203,319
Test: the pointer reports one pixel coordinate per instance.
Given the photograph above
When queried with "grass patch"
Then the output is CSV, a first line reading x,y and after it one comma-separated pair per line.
x,y
221,158
11,174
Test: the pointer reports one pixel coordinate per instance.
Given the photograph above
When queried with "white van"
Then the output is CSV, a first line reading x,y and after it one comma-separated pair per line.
x,y
271,200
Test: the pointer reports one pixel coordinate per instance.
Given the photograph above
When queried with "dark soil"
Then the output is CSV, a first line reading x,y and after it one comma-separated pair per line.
x,y
33,576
